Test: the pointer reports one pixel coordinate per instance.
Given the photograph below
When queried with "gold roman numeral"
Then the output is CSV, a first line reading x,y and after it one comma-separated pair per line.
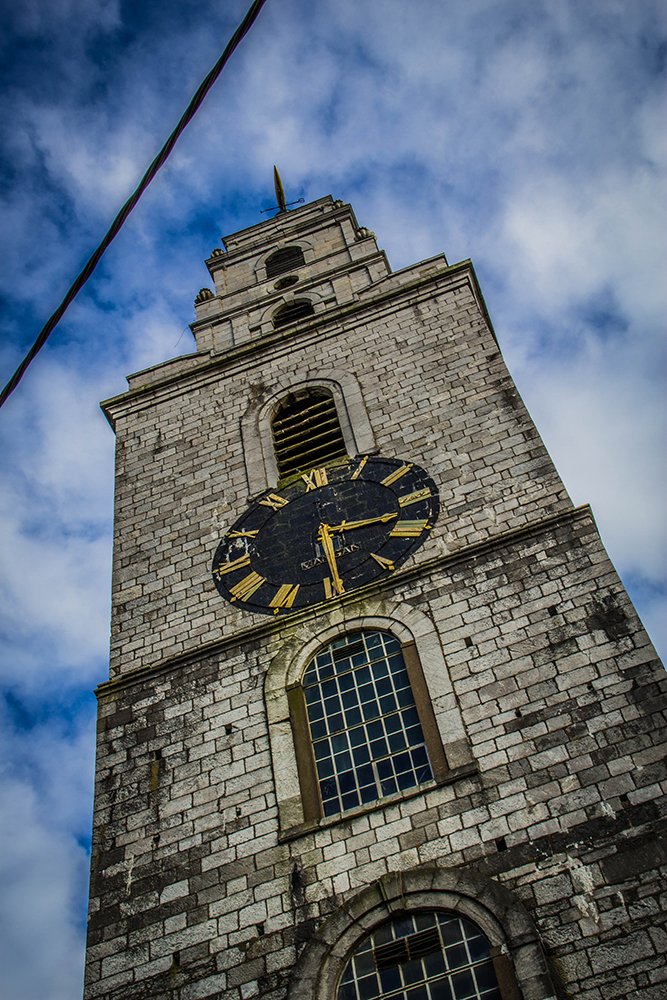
x,y
229,567
243,534
409,529
414,497
332,589
247,587
396,475
385,563
357,471
274,501
284,598
315,478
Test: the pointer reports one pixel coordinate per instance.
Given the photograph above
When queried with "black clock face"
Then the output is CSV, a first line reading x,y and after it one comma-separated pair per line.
x,y
330,531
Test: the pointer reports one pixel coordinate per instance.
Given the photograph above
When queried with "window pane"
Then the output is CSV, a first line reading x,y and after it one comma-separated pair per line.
x,y
405,960
361,678
318,729
396,742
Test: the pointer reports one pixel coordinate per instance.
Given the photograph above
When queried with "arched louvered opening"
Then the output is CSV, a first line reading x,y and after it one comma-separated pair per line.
x,y
291,312
306,431
287,259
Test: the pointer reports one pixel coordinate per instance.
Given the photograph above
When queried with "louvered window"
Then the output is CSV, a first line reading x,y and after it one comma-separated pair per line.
x,y
422,956
306,431
287,259
293,311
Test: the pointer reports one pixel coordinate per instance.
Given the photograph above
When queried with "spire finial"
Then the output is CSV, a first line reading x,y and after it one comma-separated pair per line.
x,y
282,205
280,190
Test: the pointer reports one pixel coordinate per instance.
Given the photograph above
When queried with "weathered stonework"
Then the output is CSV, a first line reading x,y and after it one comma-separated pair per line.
x,y
548,832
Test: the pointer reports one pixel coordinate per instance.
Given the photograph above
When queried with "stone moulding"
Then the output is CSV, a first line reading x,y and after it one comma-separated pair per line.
x,y
520,962
261,467
151,384
409,625
282,626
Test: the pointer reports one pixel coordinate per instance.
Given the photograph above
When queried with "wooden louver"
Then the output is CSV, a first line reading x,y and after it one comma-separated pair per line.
x,y
407,949
287,259
293,311
306,432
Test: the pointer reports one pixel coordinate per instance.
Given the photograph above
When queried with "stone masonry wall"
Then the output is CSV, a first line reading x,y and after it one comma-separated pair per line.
x,y
339,260
193,893
437,393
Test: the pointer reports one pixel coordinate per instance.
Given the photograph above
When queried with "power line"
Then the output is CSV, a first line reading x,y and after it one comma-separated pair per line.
x,y
118,222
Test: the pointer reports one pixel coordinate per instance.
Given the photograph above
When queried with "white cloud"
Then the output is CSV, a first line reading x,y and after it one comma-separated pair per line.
x,y
46,801
528,135
41,953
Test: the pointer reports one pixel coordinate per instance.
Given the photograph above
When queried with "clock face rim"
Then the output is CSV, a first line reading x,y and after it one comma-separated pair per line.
x,y
395,502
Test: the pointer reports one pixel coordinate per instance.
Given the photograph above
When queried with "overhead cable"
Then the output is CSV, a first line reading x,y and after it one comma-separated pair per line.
x,y
118,222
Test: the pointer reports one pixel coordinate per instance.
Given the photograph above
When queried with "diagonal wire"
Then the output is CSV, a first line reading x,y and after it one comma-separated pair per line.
x,y
117,223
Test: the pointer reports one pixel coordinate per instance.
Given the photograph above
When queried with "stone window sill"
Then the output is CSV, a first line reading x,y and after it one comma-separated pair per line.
x,y
450,778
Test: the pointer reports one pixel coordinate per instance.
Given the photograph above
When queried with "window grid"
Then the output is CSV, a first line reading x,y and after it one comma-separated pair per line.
x,y
438,956
365,729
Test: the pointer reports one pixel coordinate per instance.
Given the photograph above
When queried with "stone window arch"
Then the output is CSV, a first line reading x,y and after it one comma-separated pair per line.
x,y
519,963
298,794
297,253
363,724
256,424
288,258
306,430
292,312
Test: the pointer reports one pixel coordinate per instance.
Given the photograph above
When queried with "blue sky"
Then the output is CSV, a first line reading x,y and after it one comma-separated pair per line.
x,y
526,134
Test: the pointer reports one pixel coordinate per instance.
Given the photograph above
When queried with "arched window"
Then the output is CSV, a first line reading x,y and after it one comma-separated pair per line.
x,y
291,312
422,956
364,726
287,259
306,431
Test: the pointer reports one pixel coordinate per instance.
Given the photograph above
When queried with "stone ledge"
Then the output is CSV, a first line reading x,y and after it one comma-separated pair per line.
x,y
456,774
252,348
418,570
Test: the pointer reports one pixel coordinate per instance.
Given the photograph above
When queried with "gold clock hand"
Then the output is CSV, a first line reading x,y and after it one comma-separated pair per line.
x,y
349,525
324,536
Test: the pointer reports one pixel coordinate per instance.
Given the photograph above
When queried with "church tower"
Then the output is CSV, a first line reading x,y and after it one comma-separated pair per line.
x,y
381,718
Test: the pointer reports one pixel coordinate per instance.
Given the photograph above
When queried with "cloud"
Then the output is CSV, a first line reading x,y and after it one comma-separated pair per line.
x,y
527,135
44,828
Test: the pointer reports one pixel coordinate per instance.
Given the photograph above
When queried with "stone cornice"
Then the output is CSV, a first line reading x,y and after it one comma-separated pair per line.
x,y
321,326
305,286
286,224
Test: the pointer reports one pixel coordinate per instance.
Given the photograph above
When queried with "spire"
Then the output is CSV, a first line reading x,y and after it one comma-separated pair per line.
x,y
280,190
282,205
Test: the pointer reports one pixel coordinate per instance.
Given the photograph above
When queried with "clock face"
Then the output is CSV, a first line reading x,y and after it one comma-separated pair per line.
x,y
330,531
